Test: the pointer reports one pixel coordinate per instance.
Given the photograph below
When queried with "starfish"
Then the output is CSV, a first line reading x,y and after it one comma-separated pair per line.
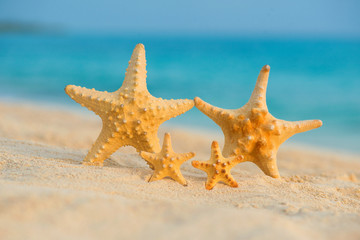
x,y
167,163
218,168
130,115
252,131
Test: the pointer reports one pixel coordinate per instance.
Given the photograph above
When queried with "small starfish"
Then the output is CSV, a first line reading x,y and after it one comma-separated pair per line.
x,y
218,168
252,131
167,163
130,115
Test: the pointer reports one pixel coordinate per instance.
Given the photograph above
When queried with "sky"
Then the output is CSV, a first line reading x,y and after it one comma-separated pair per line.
x,y
235,17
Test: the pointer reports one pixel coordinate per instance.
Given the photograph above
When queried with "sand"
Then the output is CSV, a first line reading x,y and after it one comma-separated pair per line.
x,y
45,192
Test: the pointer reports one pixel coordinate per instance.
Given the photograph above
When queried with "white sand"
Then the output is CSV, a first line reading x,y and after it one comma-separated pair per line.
x,y
45,192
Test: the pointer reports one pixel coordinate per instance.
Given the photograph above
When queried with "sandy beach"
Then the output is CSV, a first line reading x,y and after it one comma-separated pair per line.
x,y
45,192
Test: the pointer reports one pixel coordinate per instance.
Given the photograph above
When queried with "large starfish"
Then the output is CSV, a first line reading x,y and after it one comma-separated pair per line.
x,y
167,163
252,131
218,168
130,115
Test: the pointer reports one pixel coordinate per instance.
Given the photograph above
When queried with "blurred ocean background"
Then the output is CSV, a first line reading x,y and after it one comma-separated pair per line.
x,y
309,78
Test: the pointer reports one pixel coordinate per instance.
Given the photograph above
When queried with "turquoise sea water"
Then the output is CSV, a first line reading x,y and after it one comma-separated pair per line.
x,y
309,79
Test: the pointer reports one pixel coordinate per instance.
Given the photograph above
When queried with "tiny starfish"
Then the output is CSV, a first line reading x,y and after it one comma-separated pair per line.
x,y
252,131
218,168
167,163
130,115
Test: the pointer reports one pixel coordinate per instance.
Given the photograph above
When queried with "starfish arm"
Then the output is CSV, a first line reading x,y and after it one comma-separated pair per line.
x,y
149,143
172,108
156,176
135,76
229,180
105,145
268,166
211,182
96,101
236,160
183,157
177,176
167,147
258,96
201,165
215,150
300,126
216,114
150,158
149,146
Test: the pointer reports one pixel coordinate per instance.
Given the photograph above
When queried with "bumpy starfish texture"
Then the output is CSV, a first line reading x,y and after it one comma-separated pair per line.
x,y
218,168
130,115
252,131
167,163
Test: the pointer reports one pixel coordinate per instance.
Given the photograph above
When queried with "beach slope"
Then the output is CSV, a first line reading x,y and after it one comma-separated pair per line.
x,y
45,192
